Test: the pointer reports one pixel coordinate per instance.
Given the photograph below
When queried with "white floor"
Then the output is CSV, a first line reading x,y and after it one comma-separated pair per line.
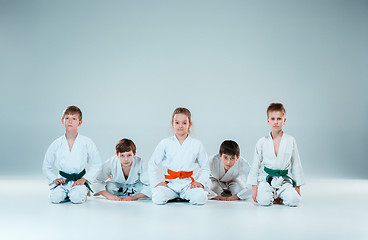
x,y
330,209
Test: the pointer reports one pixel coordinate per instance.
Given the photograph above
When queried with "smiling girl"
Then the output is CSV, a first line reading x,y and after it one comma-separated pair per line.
x,y
180,155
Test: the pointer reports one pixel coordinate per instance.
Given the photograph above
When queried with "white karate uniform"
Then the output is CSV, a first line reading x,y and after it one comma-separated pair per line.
x,y
176,157
111,178
234,180
58,157
287,159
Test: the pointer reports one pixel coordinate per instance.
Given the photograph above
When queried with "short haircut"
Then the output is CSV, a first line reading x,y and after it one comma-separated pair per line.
x,y
230,147
276,107
73,110
181,110
125,145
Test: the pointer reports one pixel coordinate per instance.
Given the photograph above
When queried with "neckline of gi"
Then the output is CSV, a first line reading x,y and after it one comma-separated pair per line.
x,y
67,144
273,145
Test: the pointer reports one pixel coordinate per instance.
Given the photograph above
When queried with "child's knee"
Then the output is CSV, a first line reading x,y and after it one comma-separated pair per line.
x,y
264,194
215,187
158,196
57,195
235,188
291,199
159,199
78,194
197,196
77,197
198,200
112,188
265,199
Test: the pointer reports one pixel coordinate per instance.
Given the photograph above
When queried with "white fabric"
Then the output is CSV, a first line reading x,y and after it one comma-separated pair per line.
x,y
111,178
266,194
161,194
76,194
234,180
186,157
287,159
176,157
84,155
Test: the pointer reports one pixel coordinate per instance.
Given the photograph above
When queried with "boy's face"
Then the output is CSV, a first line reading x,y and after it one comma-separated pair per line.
x,y
276,120
71,122
228,160
181,124
126,158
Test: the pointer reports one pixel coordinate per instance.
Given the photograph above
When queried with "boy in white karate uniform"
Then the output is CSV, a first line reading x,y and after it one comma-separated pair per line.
x,y
75,158
180,155
123,177
276,172
229,172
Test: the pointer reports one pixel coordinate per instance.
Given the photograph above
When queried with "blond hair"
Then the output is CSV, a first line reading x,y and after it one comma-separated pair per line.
x,y
181,110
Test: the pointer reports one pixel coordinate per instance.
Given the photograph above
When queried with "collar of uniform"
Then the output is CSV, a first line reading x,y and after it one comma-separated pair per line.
x,y
177,140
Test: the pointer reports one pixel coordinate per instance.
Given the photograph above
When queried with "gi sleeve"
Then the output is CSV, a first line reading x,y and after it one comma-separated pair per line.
x,y
254,170
296,167
48,167
103,175
246,192
204,171
143,177
94,162
156,158
212,184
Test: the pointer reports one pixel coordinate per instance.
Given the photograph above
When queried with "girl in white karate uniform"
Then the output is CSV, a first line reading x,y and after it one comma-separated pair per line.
x,y
123,177
180,155
276,172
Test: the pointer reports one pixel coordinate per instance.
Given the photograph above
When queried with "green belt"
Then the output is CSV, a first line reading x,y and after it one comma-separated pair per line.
x,y
73,177
278,173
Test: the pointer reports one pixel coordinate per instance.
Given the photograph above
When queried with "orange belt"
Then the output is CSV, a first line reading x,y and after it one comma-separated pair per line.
x,y
181,174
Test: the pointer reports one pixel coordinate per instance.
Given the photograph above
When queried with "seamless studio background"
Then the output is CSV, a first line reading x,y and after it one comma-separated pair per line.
x,y
129,64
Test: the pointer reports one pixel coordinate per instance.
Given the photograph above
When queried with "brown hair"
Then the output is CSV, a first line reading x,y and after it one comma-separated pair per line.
x,y
230,147
184,111
276,107
73,110
125,145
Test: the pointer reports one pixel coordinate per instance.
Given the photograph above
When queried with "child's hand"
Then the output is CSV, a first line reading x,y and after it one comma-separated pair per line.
x,y
196,185
81,181
164,184
114,198
297,189
59,181
129,198
219,198
232,198
254,192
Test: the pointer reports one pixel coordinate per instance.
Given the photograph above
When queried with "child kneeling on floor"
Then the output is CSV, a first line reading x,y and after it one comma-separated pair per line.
x,y
276,172
229,172
123,177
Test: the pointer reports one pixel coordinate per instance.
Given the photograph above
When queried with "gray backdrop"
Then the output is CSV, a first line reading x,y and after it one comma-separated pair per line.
x,y
128,64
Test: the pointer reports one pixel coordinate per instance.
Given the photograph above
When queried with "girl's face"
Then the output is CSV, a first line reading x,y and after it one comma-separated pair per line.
x,y
181,124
